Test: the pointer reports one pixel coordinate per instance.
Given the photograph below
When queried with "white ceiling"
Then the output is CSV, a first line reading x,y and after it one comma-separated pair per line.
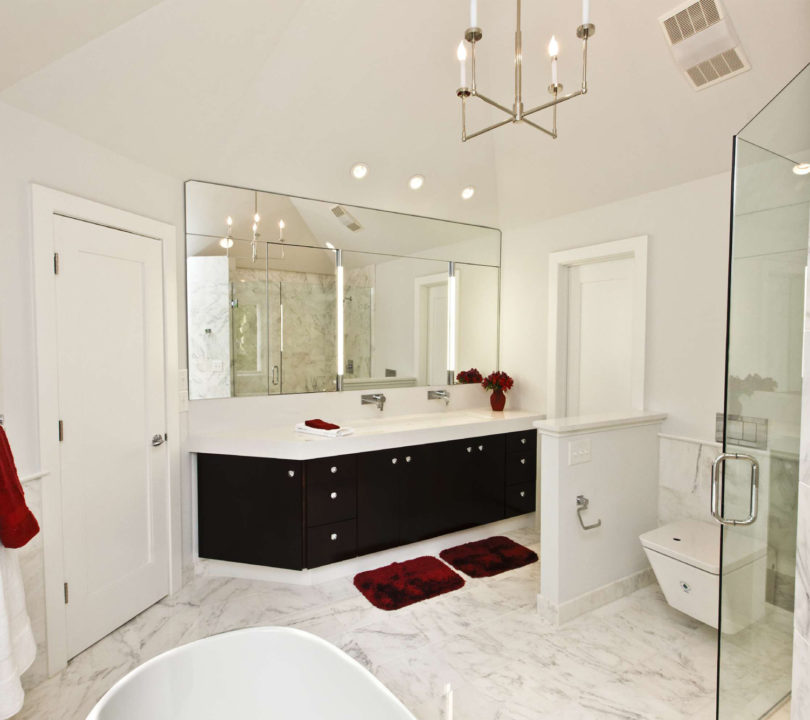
x,y
285,95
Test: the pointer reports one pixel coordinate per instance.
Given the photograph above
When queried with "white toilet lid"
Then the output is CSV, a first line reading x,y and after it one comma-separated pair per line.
x,y
697,543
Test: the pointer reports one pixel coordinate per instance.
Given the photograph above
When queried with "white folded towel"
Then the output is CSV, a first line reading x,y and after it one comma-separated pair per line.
x,y
17,645
340,432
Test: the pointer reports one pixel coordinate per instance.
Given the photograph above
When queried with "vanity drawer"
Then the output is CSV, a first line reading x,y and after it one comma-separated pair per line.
x,y
525,441
520,499
332,468
331,499
331,543
520,467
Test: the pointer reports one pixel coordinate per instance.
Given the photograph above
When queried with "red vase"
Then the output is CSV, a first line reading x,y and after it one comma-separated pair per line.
x,y
497,400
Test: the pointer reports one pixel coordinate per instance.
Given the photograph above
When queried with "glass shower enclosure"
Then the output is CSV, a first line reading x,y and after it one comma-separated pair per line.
x,y
756,478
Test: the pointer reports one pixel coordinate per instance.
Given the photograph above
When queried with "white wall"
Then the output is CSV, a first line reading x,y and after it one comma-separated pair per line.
x,y
688,229
33,151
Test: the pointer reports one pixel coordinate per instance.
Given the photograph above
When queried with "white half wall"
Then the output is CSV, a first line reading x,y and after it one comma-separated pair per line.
x,y
688,229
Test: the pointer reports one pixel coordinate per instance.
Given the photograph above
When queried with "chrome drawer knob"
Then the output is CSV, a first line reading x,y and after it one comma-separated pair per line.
x,y
469,449
333,495
333,469
522,461
393,461
333,537
407,458
522,493
480,447
522,441
291,473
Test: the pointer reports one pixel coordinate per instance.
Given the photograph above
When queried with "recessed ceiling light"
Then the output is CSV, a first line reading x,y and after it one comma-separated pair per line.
x,y
226,243
468,192
360,170
802,169
416,182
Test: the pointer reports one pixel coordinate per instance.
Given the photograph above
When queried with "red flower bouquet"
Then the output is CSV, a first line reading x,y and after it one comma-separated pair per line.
x,y
499,383
469,377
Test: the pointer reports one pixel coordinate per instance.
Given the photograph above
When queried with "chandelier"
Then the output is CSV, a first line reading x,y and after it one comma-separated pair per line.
x,y
517,113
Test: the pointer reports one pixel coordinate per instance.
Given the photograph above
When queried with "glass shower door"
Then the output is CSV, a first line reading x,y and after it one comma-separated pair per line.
x,y
755,480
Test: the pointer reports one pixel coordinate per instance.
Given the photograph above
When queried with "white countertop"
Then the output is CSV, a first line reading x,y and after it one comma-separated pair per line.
x,y
382,433
602,421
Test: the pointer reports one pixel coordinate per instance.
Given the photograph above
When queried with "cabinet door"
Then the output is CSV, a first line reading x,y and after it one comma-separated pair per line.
x,y
380,499
425,494
250,510
488,479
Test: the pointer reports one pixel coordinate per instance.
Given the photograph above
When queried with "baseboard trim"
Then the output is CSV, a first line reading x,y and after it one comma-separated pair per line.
x,y
570,609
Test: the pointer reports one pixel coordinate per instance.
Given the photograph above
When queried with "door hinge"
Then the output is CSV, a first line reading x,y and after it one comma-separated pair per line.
x,y
61,431
67,594
56,263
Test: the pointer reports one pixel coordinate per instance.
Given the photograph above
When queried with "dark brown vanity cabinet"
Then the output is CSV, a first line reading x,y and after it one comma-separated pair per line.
x,y
292,514
251,510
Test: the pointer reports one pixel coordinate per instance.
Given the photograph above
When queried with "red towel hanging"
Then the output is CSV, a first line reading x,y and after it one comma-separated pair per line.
x,y
17,523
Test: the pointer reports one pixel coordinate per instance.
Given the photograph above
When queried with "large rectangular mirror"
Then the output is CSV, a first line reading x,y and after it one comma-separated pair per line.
x,y
271,280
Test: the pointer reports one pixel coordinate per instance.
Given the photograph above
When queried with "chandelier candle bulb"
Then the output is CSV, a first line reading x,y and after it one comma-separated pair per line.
x,y
281,227
461,54
473,13
553,50
586,11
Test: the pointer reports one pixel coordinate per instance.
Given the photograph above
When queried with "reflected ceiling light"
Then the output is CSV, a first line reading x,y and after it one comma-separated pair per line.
x,y
226,243
515,111
468,192
257,218
416,182
801,169
360,170
329,245
229,220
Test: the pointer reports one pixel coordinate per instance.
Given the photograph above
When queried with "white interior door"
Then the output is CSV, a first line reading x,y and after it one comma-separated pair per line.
x,y
599,371
109,293
436,346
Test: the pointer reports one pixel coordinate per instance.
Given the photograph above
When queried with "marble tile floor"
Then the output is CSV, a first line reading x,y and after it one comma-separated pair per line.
x,y
635,658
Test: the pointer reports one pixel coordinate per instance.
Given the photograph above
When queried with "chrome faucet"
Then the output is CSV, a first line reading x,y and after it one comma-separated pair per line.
x,y
377,399
439,395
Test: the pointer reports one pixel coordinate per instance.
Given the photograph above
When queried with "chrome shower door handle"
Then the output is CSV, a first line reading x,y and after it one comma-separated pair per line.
x,y
275,375
158,440
718,483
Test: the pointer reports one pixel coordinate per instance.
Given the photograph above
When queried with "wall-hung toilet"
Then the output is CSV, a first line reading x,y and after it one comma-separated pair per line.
x,y
685,557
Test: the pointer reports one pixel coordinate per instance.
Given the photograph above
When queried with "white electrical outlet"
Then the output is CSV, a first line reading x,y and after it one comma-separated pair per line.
x,y
579,451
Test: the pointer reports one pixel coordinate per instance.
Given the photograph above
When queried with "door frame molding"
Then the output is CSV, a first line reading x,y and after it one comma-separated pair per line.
x,y
558,265
45,204
421,285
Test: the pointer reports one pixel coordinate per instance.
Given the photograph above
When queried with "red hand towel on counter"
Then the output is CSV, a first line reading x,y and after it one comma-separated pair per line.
x,y
17,523
321,425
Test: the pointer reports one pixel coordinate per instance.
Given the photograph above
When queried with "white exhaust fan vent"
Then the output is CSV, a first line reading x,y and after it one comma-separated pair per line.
x,y
346,218
704,43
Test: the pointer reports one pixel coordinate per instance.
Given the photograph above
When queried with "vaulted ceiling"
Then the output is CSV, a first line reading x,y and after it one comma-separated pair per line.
x,y
286,95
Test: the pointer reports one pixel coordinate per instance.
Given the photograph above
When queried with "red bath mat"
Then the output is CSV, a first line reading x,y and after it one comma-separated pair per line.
x,y
485,558
394,586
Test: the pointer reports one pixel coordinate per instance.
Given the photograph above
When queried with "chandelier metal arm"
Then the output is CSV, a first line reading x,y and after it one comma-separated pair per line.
x,y
551,133
517,114
489,101
553,103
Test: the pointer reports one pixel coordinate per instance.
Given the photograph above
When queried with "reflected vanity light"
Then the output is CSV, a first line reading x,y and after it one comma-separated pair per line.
x,y
416,182
468,192
226,243
801,169
359,170
339,284
281,226
451,323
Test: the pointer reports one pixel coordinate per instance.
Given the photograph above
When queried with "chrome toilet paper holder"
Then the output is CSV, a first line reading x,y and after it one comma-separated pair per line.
x,y
582,505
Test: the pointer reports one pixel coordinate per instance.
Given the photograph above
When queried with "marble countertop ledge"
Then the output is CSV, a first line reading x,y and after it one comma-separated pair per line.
x,y
284,443
580,424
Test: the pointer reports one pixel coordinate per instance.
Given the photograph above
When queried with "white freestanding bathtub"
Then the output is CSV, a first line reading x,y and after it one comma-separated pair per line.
x,y
268,673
